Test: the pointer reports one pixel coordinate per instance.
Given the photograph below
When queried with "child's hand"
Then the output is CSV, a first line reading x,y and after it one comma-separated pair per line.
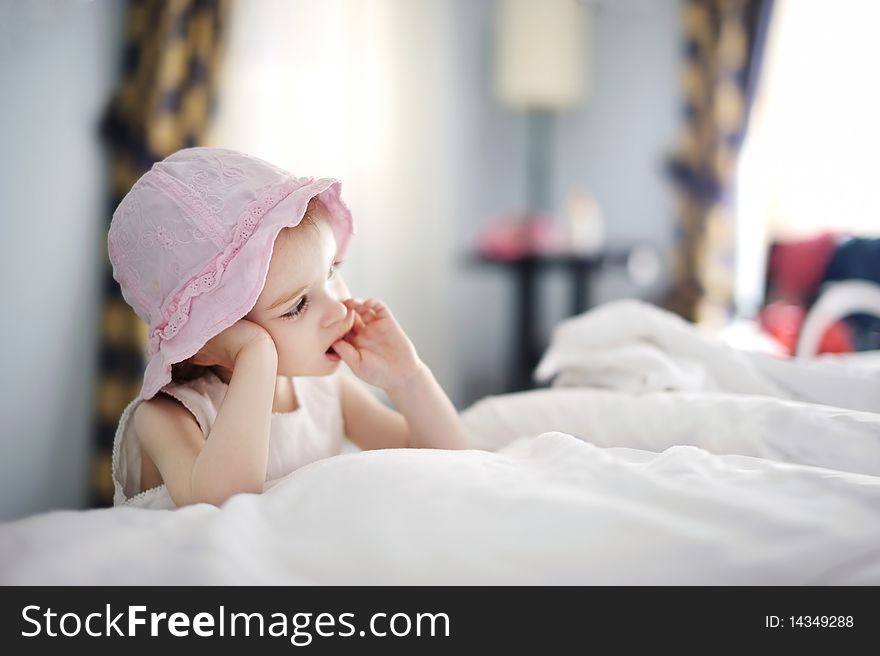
x,y
222,349
376,349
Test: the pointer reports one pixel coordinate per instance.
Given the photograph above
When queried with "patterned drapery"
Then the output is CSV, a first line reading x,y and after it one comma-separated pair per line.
x,y
723,44
163,103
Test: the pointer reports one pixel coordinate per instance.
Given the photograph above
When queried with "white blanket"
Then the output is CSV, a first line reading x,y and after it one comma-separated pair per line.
x,y
562,486
550,509
635,347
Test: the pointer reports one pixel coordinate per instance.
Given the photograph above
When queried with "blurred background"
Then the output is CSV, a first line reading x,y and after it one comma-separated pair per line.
x,y
509,163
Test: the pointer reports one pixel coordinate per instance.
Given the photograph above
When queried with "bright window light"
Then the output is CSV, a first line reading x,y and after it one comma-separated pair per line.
x,y
810,160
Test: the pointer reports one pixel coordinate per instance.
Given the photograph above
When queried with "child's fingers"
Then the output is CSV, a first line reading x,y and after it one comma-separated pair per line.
x,y
376,307
358,324
366,313
367,310
355,306
348,353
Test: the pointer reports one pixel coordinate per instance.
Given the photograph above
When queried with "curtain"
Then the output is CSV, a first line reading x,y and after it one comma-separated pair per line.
x,y
723,41
163,103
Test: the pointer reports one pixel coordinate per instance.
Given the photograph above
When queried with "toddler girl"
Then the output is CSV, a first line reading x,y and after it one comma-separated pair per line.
x,y
233,264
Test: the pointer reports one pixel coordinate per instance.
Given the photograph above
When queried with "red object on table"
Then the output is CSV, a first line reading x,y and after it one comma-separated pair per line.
x,y
515,236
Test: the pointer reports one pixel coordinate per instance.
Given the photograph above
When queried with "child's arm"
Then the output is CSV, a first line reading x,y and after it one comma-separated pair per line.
x,y
379,352
233,458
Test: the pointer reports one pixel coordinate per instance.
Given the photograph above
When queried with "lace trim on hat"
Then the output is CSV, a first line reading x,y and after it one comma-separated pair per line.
x,y
176,312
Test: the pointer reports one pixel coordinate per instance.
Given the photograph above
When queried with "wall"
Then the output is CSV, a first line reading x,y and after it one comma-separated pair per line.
x,y
57,67
614,146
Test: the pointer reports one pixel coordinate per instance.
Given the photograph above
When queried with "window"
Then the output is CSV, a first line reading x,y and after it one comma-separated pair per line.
x,y
810,159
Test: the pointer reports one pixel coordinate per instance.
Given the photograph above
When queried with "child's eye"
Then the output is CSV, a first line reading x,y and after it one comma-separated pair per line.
x,y
303,304
298,309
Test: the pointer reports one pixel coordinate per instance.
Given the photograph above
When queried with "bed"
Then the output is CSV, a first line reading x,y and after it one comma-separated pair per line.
x,y
657,455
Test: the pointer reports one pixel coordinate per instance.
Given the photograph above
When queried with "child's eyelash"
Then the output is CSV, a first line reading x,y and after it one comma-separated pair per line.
x,y
298,309
303,303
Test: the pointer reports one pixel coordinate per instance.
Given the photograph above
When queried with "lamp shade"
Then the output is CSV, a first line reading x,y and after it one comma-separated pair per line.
x,y
540,53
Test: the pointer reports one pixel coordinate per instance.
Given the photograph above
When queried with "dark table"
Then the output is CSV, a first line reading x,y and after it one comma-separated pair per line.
x,y
526,270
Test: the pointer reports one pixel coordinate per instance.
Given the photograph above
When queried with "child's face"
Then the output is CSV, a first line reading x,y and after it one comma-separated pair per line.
x,y
307,294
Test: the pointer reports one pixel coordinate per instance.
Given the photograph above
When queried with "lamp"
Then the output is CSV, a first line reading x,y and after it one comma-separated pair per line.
x,y
540,65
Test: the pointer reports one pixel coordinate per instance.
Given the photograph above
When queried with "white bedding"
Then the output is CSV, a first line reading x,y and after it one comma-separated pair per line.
x,y
682,487
635,347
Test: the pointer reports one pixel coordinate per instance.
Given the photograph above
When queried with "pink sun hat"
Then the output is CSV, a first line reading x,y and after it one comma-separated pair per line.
x,y
191,242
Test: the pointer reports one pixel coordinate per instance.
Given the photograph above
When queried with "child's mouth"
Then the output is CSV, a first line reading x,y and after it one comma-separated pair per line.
x,y
332,355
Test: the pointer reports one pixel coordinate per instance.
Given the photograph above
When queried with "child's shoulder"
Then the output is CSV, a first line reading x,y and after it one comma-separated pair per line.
x,y
170,441
163,417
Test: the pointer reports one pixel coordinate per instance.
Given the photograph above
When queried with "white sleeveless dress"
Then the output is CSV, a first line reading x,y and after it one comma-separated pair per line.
x,y
311,432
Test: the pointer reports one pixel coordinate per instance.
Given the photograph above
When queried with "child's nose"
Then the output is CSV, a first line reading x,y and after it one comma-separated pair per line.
x,y
336,311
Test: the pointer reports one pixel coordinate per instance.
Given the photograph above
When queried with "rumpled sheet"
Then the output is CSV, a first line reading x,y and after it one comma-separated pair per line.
x,y
546,509
635,347
733,484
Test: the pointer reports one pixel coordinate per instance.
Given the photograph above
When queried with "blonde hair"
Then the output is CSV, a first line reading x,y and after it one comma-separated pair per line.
x,y
185,371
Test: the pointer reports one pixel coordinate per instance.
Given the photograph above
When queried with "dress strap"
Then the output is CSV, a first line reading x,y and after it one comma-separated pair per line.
x,y
202,397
